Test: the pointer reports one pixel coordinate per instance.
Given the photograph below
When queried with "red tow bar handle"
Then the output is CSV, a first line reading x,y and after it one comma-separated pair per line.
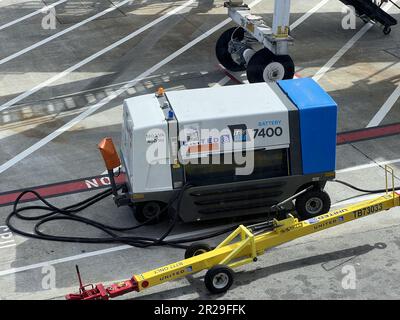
x,y
100,292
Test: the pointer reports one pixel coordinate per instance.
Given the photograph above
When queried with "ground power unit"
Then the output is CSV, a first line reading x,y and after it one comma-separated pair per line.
x,y
230,151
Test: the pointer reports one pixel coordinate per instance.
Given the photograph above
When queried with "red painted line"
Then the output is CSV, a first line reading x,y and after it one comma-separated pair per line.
x,y
232,77
61,188
368,133
235,79
229,75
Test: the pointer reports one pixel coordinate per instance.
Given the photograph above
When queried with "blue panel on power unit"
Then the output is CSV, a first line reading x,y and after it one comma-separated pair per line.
x,y
318,120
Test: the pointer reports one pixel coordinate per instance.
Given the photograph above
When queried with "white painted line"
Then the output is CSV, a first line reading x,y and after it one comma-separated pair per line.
x,y
8,246
8,241
308,14
368,165
222,82
356,199
59,34
62,260
384,110
112,96
346,48
94,56
42,10
341,52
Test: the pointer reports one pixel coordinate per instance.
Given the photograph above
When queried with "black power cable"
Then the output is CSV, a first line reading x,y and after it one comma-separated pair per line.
x,y
347,184
69,213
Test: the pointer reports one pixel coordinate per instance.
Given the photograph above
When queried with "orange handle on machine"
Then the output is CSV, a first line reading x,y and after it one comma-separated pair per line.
x,y
109,153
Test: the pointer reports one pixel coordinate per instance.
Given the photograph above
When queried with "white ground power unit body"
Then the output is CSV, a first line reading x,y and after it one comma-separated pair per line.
x,y
242,149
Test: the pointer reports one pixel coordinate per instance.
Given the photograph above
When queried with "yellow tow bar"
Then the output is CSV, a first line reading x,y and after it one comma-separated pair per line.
x,y
241,247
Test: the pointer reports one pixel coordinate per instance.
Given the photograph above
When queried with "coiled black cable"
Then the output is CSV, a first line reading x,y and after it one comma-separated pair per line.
x,y
70,213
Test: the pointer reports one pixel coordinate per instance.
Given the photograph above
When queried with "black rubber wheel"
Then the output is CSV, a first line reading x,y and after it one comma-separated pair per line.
x,y
218,279
264,66
221,49
195,249
148,211
387,30
313,203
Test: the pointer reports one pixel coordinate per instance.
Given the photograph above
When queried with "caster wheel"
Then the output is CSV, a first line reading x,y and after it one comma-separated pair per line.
x,y
218,279
312,203
195,249
264,66
149,211
222,49
387,30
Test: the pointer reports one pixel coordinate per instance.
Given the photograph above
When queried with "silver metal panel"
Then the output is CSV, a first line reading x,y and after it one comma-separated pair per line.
x,y
213,119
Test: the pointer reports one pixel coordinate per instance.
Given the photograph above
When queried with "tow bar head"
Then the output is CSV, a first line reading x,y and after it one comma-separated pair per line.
x,y
100,292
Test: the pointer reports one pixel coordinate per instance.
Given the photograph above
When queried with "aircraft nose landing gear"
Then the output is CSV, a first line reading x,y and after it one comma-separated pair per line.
x,y
253,46
234,50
